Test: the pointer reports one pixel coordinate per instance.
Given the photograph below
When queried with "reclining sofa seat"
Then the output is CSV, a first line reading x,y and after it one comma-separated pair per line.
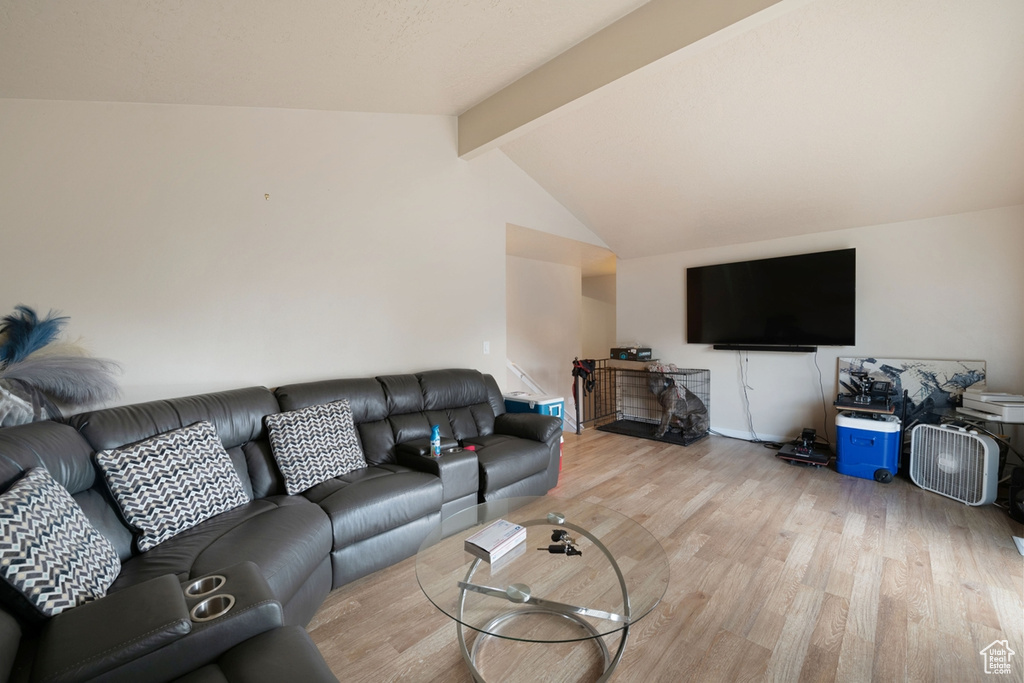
x,y
287,537
303,545
380,513
67,455
517,454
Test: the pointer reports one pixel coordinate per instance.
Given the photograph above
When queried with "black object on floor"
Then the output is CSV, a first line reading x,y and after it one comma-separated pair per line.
x,y
646,430
804,455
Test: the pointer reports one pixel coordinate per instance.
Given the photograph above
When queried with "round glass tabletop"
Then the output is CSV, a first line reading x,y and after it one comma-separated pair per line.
x,y
615,573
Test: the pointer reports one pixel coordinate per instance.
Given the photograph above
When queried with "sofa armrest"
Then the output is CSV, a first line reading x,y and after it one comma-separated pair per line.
x,y
541,428
10,641
102,635
253,612
284,654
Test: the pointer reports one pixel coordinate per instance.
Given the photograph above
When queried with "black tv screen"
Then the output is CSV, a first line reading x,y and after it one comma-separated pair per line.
x,y
789,301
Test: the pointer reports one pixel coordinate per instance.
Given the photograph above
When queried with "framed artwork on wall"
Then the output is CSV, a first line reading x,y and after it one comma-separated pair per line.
x,y
934,387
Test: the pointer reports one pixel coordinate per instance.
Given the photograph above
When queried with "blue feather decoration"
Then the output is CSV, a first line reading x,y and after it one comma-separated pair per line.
x,y
26,333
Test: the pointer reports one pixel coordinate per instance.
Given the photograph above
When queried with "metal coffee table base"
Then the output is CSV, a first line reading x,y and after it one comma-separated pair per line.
x,y
519,593
470,656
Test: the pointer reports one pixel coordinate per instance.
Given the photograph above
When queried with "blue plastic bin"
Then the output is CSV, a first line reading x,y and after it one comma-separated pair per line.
x,y
521,402
867,447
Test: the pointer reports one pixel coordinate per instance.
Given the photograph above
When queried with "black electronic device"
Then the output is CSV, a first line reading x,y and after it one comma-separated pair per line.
x,y
631,353
787,303
807,439
794,453
880,388
871,395
805,450
873,405
1016,502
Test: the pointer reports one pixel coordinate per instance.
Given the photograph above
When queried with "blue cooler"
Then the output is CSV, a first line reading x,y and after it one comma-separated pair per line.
x,y
521,402
868,446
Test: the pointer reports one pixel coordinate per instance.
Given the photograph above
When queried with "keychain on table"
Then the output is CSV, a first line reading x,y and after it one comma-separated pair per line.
x,y
563,544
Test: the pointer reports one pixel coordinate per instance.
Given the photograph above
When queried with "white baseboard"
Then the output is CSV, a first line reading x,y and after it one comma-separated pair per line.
x,y
740,434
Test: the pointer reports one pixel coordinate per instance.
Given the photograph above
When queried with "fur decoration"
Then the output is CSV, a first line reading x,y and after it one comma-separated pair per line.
x,y
67,380
37,378
15,409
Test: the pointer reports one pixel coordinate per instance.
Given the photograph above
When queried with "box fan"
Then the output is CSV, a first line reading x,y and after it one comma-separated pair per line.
x,y
955,463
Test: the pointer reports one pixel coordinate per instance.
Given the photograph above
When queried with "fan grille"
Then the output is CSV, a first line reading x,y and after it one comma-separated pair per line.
x,y
949,462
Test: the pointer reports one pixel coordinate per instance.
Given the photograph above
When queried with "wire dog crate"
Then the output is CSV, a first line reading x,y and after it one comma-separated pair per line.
x,y
671,406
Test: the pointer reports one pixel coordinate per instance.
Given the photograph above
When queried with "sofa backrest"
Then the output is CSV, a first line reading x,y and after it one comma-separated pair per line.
x,y
494,396
237,415
394,409
367,400
387,410
68,458
66,450
53,445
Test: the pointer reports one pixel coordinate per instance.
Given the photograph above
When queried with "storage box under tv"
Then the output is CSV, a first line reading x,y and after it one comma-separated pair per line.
x,y
868,445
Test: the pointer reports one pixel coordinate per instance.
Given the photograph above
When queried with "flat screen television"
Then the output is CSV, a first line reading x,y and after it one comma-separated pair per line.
x,y
792,301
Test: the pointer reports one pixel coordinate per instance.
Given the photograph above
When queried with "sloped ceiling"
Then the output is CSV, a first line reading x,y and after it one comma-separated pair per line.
x,y
827,114
835,115
400,56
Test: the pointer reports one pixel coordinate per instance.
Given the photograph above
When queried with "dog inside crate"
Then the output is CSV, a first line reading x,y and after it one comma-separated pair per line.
x,y
661,402
680,407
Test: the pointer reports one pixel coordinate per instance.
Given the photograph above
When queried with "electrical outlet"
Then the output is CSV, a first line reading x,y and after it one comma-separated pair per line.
x,y
487,347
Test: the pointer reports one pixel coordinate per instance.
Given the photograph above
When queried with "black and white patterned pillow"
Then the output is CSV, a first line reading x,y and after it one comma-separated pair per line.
x,y
171,482
315,444
49,552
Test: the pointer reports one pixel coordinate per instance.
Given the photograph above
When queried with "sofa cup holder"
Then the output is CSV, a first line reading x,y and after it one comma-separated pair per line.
x,y
212,607
204,586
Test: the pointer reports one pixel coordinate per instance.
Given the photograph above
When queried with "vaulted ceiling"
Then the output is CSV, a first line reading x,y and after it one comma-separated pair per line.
x,y
664,126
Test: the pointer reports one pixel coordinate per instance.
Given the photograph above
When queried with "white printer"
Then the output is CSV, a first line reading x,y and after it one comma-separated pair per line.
x,y
993,405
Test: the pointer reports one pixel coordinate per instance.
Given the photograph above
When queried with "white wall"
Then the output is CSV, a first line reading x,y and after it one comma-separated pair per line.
x,y
377,251
598,316
544,324
947,287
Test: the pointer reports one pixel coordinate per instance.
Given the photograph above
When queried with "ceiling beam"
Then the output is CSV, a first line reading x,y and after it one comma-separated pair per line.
x,y
649,33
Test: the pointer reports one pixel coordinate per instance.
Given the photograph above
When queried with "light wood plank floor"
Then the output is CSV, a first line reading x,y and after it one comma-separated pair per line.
x,y
779,573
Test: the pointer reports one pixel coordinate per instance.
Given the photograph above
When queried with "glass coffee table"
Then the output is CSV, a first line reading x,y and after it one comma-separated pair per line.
x,y
585,572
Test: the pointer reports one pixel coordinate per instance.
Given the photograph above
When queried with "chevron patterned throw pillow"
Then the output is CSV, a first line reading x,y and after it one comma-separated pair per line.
x,y
315,444
49,552
171,482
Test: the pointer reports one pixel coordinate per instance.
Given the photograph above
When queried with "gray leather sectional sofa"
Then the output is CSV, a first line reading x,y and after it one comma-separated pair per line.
x,y
278,555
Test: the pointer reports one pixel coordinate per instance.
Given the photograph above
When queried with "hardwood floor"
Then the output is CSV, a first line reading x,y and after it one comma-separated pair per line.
x,y
778,573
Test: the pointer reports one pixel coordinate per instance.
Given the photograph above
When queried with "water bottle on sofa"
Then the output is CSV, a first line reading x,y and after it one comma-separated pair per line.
x,y
435,441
